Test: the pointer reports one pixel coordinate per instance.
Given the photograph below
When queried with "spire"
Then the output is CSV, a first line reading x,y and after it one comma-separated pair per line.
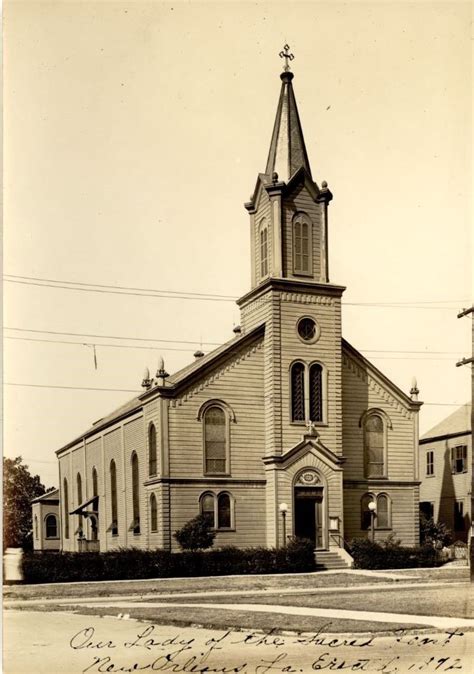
x,y
287,149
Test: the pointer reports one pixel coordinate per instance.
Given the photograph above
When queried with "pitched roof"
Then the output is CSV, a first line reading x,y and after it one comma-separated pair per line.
x,y
201,363
177,378
287,148
377,374
52,495
457,422
127,408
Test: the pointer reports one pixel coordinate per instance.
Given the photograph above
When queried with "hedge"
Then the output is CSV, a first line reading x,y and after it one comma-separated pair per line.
x,y
368,555
131,563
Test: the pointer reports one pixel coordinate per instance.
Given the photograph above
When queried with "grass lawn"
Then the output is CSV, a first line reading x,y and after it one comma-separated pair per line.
x,y
205,584
455,601
225,619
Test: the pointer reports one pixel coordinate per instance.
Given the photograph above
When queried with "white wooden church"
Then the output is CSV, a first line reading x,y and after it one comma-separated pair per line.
x,y
285,430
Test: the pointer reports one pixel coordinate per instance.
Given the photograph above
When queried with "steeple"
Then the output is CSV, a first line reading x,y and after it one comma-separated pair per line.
x,y
288,210
287,148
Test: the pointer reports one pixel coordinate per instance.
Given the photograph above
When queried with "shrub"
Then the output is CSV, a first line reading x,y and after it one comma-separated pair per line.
x,y
391,555
197,534
131,563
434,533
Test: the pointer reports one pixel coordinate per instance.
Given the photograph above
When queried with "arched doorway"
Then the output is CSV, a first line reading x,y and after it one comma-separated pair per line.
x,y
309,508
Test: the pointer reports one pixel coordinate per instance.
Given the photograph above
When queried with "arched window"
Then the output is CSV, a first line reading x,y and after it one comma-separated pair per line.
x,y
79,489
135,494
298,412
51,526
215,441
113,498
301,244
66,508
153,513
383,515
316,392
95,486
218,510
365,516
307,385
36,527
223,511
263,252
374,445
207,508
152,462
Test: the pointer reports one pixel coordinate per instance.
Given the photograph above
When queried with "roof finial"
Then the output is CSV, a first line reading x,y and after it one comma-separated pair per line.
x,y
284,54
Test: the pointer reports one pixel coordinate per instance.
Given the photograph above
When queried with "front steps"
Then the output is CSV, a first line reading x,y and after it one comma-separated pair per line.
x,y
329,560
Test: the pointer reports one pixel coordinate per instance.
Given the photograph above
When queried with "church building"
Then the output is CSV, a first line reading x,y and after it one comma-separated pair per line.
x,y
285,430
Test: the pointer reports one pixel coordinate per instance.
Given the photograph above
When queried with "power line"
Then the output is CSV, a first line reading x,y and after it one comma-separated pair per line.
x,y
75,388
115,287
116,346
190,349
190,295
177,341
86,388
184,296
138,339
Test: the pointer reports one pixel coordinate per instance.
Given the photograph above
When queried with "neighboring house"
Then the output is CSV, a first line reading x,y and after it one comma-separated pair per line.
x,y
446,472
285,414
45,512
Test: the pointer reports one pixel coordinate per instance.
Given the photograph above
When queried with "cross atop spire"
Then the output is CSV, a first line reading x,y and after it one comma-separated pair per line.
x,y
287,148
284,54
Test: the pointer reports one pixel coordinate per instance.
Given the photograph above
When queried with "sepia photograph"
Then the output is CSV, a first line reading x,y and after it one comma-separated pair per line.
x,y
238,337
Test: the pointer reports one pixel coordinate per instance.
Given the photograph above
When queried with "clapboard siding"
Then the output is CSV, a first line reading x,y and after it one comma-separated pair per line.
x,y
325,351
239,385
249,513
358,396
444,487
404,509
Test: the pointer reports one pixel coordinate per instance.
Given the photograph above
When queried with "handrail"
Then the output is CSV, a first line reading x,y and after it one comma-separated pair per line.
x,y
340,540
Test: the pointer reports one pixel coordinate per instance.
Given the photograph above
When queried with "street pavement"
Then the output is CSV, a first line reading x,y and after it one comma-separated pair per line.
x,y
61,642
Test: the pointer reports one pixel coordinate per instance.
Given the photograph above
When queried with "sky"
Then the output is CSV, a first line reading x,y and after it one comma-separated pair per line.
x,y
134,133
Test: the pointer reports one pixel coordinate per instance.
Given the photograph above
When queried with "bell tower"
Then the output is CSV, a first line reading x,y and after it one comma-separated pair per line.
x,y
291,293
288,211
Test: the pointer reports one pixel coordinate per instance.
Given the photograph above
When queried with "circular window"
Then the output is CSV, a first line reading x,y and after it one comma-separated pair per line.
x,y
308,329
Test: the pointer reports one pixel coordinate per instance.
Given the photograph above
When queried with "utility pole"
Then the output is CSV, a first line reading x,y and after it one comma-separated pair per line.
x,y
466,361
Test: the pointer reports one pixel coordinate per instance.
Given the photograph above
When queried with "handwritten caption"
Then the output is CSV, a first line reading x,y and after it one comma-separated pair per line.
x,y
256,653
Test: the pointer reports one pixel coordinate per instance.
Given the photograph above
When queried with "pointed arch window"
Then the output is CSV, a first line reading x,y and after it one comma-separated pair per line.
x,y
153,513
374,445
51,523
36,527
66,508
95,485
152,455
79,489
302,244
113,498
307,383
263,251
135,494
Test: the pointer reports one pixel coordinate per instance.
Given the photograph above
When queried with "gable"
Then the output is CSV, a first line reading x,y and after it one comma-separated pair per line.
x,y
382,388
